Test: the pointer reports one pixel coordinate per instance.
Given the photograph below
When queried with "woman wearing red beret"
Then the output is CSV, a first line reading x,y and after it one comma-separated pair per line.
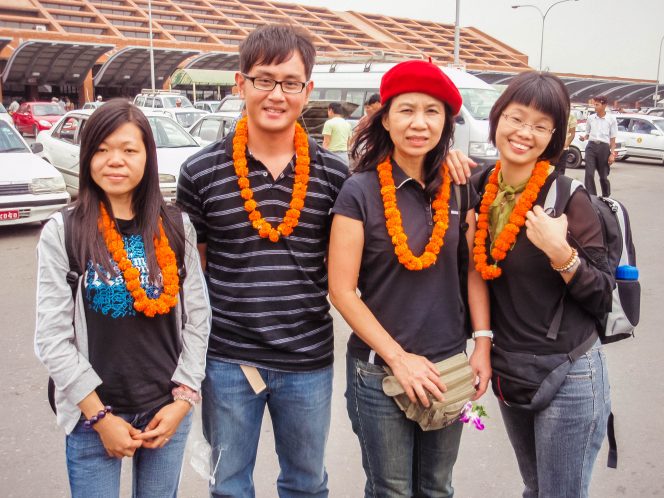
x,y
396,236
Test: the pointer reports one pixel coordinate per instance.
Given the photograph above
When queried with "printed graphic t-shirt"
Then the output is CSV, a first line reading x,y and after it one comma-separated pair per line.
x,y
134,355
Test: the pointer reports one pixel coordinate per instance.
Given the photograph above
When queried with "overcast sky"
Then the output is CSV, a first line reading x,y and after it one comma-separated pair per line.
x,y
591,37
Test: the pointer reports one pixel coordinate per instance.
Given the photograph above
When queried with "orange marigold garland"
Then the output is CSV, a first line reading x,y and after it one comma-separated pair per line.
x,y
291,219
507,237
394,223
165,259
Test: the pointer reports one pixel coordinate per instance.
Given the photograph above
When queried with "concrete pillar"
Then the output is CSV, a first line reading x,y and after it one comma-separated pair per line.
x,y
86,92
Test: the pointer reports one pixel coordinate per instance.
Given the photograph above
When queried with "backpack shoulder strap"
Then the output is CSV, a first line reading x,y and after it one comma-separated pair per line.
x,y
623,223
560,192
75,270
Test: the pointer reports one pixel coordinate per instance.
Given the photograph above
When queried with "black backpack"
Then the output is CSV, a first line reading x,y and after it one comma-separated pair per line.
x,y
623,318
75,272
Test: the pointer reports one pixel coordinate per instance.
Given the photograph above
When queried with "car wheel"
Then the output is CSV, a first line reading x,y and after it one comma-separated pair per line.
x,y
573,158
35,130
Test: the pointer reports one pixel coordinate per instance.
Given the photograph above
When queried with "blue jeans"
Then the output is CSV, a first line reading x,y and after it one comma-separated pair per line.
x,y
399,458
155,472
556,448
299,404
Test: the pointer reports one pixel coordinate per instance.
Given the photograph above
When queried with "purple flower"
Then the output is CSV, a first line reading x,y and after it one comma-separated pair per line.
x,y
472,414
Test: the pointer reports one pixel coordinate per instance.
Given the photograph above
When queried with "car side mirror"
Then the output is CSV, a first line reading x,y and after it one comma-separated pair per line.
x,y
459,120
36,148
657,133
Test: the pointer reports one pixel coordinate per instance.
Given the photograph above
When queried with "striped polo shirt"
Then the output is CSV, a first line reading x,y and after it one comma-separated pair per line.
x,y
269,300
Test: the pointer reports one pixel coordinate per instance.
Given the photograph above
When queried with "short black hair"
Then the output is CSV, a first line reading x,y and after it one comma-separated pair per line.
x,y
336,108
546,93
274,44
601,99
374,98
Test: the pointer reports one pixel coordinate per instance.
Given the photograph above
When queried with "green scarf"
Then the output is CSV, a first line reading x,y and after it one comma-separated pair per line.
x,y
501,208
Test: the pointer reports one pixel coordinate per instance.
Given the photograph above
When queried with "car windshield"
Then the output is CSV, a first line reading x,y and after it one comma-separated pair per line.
x,y
168,134
186,119
47,110
479,101
172,102
9,140
659,123
231,105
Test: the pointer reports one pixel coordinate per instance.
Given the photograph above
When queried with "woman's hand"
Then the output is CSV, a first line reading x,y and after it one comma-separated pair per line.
x,y
164,424
480,362
548,234
417,375
117,436
459,165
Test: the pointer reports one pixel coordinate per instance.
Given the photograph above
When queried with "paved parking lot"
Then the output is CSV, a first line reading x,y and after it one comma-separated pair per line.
x,y
32,456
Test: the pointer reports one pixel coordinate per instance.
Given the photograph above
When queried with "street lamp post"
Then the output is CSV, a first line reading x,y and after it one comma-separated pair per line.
x,y
151,45
659,60
543,14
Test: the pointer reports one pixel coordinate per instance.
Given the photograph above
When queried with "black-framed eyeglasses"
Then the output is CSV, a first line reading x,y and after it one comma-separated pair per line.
x,y
268,84
520,124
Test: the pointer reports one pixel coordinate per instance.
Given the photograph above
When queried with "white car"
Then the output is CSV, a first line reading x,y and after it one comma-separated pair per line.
x,y
62,148
644,135
212,127
30,188
166,103
4,115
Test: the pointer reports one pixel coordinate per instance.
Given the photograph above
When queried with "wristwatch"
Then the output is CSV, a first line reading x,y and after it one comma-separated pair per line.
x,y
483,333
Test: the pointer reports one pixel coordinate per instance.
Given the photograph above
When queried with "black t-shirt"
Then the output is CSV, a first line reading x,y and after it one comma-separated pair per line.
x,y
134,355
422,310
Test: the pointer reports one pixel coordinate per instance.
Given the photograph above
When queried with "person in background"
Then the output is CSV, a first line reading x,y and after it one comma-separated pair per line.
x,y
127,352
69,105
561,163
13,107
601,133
337,132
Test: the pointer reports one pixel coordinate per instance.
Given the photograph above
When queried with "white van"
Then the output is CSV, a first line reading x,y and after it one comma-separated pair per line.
x,y
356,82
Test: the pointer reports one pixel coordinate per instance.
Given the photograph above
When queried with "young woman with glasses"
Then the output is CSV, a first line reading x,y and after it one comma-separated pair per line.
x,y
538,265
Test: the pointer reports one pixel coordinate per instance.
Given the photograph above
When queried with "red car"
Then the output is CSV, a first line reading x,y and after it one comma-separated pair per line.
x,y
33,117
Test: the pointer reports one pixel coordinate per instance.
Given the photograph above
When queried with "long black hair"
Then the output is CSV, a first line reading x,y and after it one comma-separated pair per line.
x,y
373,145
147,202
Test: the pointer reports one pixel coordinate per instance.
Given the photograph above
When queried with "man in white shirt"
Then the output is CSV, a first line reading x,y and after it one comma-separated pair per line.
x,y
601,132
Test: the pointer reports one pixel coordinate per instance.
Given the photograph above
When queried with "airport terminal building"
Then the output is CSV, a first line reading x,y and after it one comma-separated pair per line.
x,y
84,48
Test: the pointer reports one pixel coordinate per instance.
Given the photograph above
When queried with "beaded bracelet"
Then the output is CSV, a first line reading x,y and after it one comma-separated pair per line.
x,y
567,264
96,418
183,393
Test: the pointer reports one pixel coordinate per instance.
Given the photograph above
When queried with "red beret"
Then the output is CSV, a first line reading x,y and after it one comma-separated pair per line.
x,y
421,77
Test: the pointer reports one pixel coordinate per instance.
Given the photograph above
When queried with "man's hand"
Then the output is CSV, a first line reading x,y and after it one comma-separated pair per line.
x,y
612,158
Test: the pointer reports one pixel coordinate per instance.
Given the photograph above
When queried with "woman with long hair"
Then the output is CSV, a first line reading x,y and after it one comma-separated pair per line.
x,y
549,284
410,315
125,343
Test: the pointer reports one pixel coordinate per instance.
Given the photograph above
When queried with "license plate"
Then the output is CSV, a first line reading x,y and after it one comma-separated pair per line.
x,y
9,215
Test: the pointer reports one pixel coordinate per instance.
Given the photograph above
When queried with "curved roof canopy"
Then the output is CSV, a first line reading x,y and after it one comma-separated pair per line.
x,y
216,60
131,67
52,63
186,77
584,89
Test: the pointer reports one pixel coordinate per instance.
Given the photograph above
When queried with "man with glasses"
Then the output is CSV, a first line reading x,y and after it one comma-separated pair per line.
x,y
260,201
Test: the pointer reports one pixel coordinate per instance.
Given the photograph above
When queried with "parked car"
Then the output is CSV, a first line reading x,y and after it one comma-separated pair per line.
x,y
30,188
62,148
93,105
208,105
576,153
4,115
166,103
656,111
231,106
211,128
644,135
33,117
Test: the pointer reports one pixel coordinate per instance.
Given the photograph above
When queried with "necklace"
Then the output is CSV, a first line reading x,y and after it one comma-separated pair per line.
x,y
394,223
507,237
165,259
291,219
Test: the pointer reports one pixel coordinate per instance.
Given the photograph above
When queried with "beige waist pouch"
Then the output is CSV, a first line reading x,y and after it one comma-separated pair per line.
x,y
456,374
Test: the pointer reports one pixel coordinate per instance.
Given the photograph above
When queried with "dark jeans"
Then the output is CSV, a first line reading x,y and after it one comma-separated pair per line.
x,y
597,158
